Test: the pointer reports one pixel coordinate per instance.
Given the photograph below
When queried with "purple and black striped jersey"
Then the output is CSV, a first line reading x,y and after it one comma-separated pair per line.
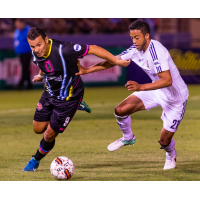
x,y
60,66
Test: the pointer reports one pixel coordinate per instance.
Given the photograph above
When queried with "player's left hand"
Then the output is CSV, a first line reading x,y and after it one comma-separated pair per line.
x,y
132,85
82,70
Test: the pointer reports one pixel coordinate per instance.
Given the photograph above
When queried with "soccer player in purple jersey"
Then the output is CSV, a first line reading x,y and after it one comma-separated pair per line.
x,y
167,90
64,91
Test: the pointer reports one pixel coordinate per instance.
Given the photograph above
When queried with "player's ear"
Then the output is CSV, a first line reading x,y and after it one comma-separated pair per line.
x,y
147,36
46,39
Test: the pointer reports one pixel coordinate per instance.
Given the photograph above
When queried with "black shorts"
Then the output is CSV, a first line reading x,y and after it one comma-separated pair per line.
x,y
58,112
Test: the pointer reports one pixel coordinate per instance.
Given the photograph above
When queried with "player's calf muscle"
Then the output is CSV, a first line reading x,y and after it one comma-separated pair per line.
x,y
50,135
165,137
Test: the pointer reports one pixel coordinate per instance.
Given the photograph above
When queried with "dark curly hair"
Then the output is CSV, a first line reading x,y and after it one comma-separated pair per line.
x,y
141,25
35,32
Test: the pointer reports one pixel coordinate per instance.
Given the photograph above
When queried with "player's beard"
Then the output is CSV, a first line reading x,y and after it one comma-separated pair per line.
x,y
143,45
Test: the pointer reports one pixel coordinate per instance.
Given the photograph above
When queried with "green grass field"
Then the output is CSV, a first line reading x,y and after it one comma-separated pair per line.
x,y
86,138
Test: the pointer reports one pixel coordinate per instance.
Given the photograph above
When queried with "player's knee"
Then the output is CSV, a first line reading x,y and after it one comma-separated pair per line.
x,y
118,111
39,130
39,127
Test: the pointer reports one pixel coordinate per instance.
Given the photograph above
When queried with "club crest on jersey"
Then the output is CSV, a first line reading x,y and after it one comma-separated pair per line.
x,y
77,47
147,64
48,66
39,106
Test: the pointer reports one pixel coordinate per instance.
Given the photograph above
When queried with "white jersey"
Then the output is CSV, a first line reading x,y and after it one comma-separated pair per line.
x,y
157,59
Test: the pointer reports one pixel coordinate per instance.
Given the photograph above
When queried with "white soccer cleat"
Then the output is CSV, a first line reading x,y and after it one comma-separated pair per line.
x,y
120,143
170,162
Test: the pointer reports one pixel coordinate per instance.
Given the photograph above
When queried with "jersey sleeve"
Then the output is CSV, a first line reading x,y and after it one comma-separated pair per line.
x,y
128,53
75,50
160,57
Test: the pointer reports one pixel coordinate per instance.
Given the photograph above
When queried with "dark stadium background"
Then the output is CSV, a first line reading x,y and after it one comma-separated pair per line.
x,y
176,34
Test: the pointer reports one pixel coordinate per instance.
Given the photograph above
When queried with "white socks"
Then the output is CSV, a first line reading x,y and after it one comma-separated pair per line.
x,y
125,126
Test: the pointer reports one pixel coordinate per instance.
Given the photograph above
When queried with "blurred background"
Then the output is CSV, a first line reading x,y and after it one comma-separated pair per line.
x,y
179,35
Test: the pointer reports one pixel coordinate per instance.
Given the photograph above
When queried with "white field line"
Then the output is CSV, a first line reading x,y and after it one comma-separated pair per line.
x,y
33,109
16,110
114,104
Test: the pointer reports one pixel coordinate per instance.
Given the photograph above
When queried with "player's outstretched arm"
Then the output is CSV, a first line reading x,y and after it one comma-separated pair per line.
x,y
97,67
102,53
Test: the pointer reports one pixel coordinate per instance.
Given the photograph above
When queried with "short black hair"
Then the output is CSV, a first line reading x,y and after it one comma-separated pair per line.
x,y
141,25
35,32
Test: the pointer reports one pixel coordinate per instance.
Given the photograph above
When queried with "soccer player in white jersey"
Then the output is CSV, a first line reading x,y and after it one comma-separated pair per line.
x,y
167,90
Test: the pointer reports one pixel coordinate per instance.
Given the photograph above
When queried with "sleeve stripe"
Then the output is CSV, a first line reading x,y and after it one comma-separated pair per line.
x,y
158,69
85,51
153,52
126,51
34,58
154,56
64,74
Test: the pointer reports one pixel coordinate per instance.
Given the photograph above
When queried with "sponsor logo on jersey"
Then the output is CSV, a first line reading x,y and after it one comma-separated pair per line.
x,y
77,47
39,106
147,64
59,78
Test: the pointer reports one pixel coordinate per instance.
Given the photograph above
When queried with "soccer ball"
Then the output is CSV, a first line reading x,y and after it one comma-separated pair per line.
x,y
62,168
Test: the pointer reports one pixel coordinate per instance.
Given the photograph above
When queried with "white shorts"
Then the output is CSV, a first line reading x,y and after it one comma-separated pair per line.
x,y
172,111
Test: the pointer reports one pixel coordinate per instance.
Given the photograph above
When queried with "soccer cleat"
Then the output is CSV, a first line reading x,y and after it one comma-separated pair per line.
x,y
84,106
120,143
170,162
32,165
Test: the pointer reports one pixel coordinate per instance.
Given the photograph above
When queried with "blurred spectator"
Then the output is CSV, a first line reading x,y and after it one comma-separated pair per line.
x,y
6,26
151,25
71,25
23,50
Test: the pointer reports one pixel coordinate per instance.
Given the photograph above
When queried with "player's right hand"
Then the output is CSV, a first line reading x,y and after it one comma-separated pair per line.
x,y
37,79
132,85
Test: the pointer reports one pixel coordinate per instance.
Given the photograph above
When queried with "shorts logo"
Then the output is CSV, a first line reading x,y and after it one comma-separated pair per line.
x,y
66,121
39,106
77,47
